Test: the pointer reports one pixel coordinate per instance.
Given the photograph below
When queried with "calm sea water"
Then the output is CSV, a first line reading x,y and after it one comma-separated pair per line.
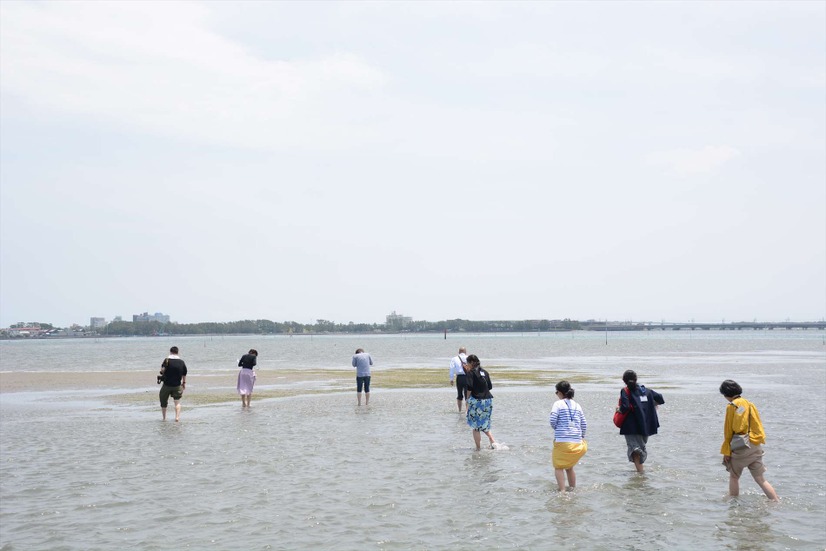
x,y
78,473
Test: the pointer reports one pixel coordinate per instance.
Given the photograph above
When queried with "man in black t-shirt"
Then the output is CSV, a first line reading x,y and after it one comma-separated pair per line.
x,y
173,371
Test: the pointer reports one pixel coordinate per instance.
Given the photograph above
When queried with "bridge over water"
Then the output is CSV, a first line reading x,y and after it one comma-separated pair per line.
x,y
695,326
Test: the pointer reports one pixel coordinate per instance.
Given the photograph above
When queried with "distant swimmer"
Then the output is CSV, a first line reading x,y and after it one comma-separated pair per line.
x,y
173,375
362,362
743,439
641,405
568,421
480,402
457,372
246,376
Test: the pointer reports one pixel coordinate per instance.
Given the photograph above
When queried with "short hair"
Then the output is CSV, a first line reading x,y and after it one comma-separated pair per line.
x,y
629,376
359,350
564,387
730,389
253,351
473,359
173,350
462,349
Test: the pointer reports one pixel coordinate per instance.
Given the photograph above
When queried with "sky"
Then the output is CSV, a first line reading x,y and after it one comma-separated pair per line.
x,y
294,161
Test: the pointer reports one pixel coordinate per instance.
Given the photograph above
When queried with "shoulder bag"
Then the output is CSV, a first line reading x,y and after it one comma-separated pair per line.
x,y
619,418
742,441
164,365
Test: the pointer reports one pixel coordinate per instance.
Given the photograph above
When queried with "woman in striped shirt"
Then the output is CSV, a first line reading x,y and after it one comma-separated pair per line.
x,y
568,422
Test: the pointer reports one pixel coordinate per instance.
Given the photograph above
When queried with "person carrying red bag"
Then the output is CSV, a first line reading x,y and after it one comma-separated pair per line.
x,y
640,405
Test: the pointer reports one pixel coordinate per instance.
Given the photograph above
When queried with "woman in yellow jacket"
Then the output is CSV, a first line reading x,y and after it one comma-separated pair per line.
x,y
742,418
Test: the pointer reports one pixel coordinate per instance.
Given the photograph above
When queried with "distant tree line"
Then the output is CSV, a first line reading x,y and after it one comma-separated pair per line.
x,y
267,327
40,324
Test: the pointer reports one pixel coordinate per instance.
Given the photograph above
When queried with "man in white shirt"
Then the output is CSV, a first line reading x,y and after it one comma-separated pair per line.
x,y
457,372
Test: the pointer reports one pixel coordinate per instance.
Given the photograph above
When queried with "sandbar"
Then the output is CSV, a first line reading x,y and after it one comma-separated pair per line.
x,y
219,386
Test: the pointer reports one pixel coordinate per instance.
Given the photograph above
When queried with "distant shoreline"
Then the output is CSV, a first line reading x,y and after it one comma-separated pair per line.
x,y
583,326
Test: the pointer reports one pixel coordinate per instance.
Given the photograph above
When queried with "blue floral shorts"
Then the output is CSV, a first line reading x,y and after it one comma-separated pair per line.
x,y
478,413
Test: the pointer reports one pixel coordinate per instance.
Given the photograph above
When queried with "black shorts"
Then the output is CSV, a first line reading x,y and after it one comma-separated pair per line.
x,y
461,386
166,391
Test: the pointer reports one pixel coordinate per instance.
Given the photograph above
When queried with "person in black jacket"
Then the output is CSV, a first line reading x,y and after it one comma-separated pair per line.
x,y
480,401
642,421
173,372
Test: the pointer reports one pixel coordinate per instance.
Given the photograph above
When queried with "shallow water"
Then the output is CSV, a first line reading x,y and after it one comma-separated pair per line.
x,y
318,472
572,350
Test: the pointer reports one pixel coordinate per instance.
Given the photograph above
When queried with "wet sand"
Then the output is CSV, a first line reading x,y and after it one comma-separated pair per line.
x,y
219,386
213,387
50,381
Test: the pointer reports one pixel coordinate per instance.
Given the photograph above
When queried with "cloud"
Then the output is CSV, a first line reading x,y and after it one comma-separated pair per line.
x,y
165,72
686,161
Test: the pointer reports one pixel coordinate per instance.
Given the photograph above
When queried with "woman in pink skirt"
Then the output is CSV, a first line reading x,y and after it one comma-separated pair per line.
x,y
246,377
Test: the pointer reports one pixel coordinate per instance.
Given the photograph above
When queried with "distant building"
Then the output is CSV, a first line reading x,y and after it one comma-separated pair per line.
x,y
25,330
157,316
398,321
117,318
97,323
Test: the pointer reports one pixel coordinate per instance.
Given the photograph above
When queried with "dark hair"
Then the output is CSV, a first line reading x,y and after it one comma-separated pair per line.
x,y
630,379
473,360
253,351
173,350
359,350
730,389
564,387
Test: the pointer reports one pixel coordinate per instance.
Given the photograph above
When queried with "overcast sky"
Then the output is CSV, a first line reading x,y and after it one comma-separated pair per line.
x,y
321,160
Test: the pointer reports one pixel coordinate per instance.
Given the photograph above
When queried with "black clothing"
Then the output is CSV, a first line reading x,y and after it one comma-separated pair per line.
x,y
247,361
479,383
173,370
643,417
461,386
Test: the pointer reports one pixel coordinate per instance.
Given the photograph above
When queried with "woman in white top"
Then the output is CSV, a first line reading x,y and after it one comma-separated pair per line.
x,y
568,422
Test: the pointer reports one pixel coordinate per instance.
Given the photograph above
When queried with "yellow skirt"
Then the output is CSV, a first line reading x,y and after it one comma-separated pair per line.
x,y
568,454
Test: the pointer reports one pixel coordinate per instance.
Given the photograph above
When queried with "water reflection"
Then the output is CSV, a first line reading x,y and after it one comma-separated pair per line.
x,y
636,483
744,528
571,516
483,466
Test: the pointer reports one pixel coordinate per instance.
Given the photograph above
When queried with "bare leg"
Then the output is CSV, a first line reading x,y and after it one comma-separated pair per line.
x,y
635,457
766,487
733,486
163,412
560,479
366,398
490,437
177,410
243,401
459,404
358,397
571,477
477,438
